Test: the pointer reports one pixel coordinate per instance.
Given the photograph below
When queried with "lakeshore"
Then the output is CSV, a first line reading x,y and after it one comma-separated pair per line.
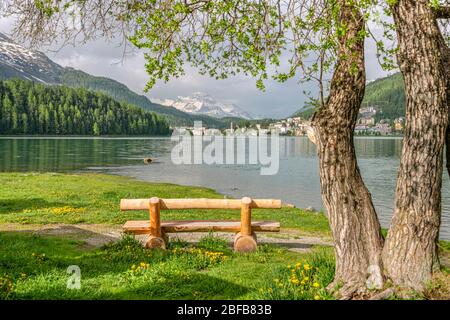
x,y
296,182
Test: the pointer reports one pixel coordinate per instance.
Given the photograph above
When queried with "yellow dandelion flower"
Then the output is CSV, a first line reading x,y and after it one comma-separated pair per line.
x,y
316,285
316,297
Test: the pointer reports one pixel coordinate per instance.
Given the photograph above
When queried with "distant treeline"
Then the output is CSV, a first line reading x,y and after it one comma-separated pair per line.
x,y
30,108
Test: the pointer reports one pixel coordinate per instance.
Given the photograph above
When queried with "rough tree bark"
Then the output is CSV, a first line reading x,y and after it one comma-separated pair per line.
x,y
410,251
444,13
447,141
353,220
445,51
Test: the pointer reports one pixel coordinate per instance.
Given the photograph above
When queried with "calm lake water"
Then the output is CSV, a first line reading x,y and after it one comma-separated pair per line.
x,y
297,181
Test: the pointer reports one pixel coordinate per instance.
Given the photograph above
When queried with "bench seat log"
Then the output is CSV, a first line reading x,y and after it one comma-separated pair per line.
x,y
143,226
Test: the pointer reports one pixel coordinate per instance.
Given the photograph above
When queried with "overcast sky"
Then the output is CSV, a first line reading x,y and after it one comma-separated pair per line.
x,y
105,59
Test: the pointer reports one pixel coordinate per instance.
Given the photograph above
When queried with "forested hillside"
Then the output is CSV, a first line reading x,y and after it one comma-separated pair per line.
x,y
30,108
120,92
388,93
305,113
17,61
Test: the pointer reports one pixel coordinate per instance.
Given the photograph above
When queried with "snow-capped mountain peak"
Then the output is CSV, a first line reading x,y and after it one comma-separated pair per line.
x,y
203,103
18,61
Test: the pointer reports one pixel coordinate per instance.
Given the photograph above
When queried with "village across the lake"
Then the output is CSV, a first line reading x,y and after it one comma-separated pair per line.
x,y
370,122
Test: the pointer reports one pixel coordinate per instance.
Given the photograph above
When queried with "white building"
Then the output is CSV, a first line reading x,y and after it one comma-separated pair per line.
x,y
198,131
383,128
180,131
212,132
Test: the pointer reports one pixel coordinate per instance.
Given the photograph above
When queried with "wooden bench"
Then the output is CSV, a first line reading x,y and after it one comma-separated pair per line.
x,y
244,241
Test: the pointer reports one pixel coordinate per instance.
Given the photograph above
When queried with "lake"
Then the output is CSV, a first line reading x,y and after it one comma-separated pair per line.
x,y
296,182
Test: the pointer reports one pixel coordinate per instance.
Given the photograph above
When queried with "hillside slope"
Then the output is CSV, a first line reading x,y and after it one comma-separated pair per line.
x,y
120,92
387,93
27,107
17,61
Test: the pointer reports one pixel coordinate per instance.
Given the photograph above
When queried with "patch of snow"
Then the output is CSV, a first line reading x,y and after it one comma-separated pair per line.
x,y
28,62
202,103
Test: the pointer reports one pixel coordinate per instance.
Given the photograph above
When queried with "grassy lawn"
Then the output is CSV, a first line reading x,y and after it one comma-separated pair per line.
x,y
33,198
34,266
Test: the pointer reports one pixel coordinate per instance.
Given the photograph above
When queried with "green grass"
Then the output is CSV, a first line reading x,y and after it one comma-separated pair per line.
x,y
44,198
35,267
444,246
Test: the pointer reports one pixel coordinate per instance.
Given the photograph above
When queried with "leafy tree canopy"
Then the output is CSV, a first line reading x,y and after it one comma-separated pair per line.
x,y
262,39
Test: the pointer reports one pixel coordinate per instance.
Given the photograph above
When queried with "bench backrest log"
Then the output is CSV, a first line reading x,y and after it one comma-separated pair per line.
x,y
180,204
155,205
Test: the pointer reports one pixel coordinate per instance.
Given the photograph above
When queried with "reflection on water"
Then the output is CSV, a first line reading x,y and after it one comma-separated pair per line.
x,y
297,181
65,154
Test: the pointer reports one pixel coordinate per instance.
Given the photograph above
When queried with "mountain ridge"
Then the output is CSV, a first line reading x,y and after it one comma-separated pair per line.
x,y
19,62
16,61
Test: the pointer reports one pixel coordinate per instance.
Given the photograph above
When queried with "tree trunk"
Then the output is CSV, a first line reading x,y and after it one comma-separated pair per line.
x,y
447,143
353,221
445,51
410,252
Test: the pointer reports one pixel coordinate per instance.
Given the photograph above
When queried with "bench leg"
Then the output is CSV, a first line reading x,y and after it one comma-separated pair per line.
x,y
156,239
156,242
243,243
